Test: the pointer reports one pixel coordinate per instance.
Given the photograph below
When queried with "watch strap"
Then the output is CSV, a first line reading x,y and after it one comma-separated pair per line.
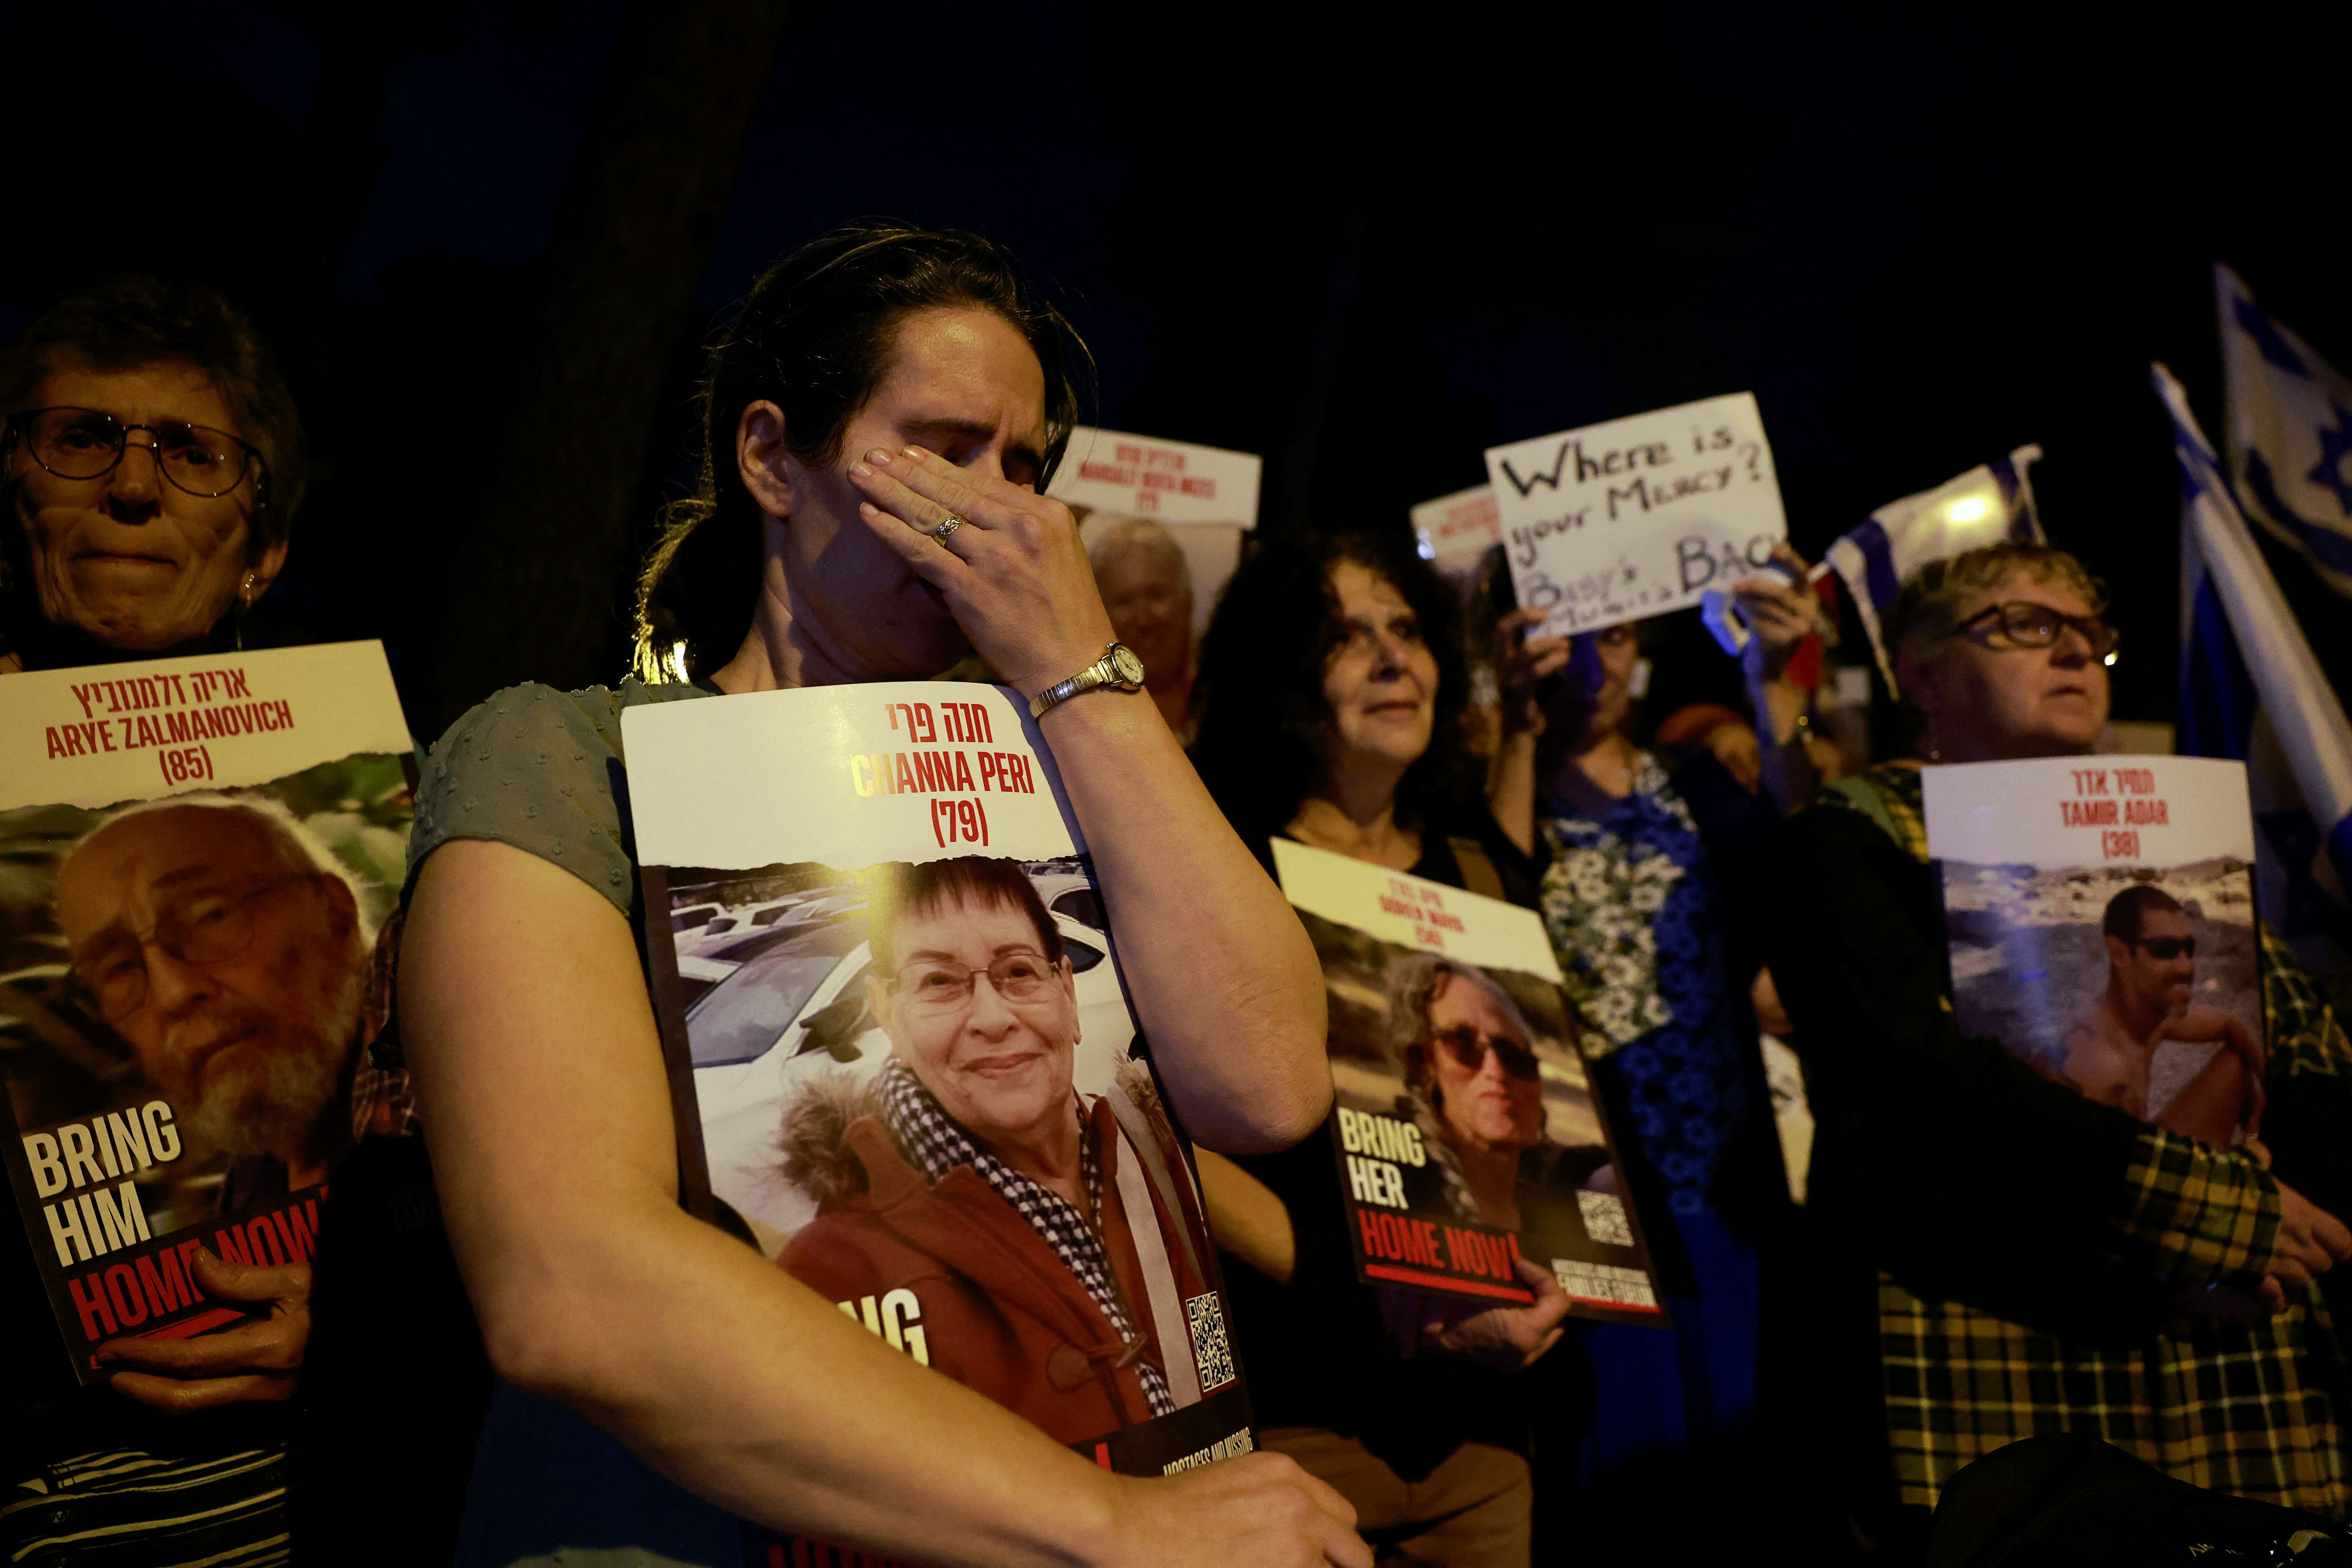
x,y
1101,672
1061,691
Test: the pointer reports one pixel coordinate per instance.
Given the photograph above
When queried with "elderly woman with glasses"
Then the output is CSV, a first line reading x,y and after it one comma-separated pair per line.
x,y
2033,1260
113,552
150,461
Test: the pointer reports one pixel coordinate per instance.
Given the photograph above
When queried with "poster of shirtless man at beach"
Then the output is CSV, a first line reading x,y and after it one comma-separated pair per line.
x,y
2101,918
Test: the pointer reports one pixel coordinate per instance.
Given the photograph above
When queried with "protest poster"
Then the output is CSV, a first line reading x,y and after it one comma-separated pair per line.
x,y
1456,531
1638,517
1469,1141
201,853
1204,496
2100,912
904,1061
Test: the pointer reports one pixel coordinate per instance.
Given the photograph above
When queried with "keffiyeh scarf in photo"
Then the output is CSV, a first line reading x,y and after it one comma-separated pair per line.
x,y
937,1144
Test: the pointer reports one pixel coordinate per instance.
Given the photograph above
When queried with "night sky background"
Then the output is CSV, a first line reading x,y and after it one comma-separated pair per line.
x,y
1367,246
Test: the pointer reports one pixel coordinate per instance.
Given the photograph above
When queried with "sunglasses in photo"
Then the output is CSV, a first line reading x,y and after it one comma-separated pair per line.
x,y
1468,1048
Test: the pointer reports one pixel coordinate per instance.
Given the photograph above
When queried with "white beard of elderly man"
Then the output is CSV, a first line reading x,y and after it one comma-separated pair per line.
x,y
234,964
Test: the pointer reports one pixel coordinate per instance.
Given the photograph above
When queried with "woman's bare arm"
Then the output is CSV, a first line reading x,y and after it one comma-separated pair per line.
x,y
1245,1216
1225,982
538,1075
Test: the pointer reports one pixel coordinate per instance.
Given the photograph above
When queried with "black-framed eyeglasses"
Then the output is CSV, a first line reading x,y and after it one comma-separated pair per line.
x,y
1468,1047
204,928
87,444
2165,949
2029,624
943,985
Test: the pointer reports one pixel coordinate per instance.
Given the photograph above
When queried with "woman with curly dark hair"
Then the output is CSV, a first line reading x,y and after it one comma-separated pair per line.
x,y
1344,729
1331,693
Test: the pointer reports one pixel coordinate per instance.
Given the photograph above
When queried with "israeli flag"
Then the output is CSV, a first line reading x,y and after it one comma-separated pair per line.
x,y
2250,688
1990,503
2290,433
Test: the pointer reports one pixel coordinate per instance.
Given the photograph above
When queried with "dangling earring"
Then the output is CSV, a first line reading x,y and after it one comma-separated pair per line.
x,y
243,602
1935,751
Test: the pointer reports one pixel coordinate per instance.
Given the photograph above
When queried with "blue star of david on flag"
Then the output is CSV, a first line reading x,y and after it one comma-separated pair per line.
x,y
2290,433
2334,446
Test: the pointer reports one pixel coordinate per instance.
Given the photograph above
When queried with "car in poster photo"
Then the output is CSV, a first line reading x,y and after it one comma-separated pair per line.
x,y
797,1009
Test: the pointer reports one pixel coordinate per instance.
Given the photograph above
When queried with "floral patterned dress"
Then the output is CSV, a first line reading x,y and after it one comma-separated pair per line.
x,y
1637,922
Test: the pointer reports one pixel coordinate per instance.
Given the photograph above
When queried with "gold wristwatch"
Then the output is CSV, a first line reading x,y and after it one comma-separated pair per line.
x,y
1118,669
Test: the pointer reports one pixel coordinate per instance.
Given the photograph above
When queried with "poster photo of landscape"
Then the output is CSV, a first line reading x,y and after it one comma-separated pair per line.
x,y
905,1063
2101,918
1474,1160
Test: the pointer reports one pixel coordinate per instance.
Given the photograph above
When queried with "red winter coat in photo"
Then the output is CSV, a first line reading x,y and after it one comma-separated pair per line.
x,y
999,1310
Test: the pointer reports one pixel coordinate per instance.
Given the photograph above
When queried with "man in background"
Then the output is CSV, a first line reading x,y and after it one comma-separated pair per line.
x,y
1148,588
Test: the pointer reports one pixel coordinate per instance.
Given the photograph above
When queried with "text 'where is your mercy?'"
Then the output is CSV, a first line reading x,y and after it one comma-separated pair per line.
x,y
1638,517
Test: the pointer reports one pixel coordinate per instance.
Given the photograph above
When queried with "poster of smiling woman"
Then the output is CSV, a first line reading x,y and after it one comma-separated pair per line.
x,y
1473,1160
905,1064
197,856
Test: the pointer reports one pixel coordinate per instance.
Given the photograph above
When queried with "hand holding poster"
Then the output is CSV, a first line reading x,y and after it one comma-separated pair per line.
x,y
900,1052
2100,917
204,851
1640,516
1471,1148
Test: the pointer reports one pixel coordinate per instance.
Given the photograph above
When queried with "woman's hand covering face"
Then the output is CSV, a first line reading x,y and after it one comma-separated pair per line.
x,y
1013,574
956,427
129,559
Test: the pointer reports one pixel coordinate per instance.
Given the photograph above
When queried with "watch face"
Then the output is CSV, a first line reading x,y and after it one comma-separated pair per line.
x,y
1126,665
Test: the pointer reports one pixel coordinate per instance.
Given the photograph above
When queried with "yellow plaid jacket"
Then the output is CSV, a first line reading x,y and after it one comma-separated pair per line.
x,y
2254,1411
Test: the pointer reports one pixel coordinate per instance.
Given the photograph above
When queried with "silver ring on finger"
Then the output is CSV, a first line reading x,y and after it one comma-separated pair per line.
x,y
948,525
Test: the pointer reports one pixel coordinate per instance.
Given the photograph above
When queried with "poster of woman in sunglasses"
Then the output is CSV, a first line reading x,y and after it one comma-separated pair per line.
x,y
1474,1161
203,853
2101,918
917,1085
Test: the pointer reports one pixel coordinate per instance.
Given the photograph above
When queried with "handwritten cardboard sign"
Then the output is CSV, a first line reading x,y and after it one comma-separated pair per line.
x,y
1169,481
1640,516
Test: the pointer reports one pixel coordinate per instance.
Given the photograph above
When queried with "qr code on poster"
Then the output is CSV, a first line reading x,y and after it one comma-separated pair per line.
x,y
1210,1352
1604,1219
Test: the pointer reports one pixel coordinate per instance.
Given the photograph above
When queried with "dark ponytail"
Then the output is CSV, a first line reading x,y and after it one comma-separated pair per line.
x,y
814,338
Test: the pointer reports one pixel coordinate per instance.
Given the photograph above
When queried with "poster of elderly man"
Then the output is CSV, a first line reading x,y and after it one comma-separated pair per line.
x,y
1474,1158
913,1081
2101,919
191,976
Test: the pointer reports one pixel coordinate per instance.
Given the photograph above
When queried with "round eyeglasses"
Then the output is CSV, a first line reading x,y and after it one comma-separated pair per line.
x,y
204,929
88,443
2029,624
942,985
